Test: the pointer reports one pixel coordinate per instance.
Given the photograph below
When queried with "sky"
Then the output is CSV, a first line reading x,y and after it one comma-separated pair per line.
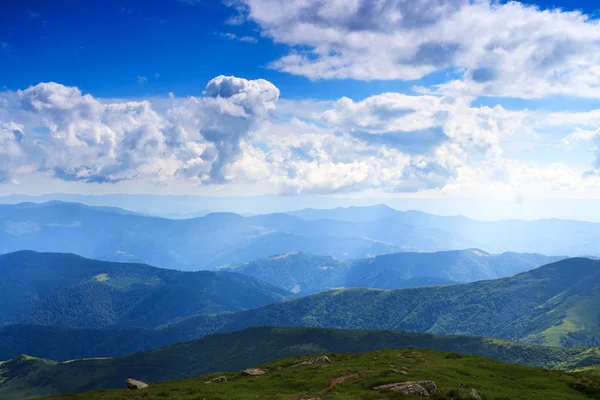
x,y
352,99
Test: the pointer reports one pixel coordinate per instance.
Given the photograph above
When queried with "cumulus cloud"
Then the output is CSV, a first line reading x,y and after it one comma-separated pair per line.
x,y
13,151
496,48
90,140
420,124
236,133
93,141
232,109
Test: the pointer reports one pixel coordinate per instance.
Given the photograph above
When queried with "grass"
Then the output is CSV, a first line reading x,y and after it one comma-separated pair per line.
x,y
581,315
592,370
493,380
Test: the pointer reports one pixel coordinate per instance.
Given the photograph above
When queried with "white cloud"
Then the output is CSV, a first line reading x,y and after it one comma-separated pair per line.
x,y
14,147
142,80
419,124
592,136
233,36
237,134
497,49
95,141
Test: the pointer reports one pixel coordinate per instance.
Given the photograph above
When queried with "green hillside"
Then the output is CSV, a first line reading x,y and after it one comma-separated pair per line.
x,y
555,304
25,376
68,290
307,273
354,376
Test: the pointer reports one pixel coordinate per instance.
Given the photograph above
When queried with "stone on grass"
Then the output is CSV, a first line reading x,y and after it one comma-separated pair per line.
x,y
253,372
405,388
314,361
135,385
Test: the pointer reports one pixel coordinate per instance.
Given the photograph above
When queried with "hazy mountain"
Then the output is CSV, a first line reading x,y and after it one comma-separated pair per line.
x,y
193,244
227,238
297,272
64,289
546,236
308,273
254,346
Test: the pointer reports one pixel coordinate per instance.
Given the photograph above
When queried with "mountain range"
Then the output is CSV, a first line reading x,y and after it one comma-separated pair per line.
x,y
68,290
545,236
225,238
304,273
555,304
25,377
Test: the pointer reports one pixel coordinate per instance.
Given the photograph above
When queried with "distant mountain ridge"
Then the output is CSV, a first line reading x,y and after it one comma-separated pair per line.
x,y
254,346
227,238
545,236
308,273
65,289
190,244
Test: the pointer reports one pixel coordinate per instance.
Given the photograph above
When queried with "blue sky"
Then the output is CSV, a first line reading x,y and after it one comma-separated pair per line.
x,y
103,47
358,99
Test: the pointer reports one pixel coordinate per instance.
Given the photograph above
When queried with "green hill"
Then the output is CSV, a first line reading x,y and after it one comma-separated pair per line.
x,y
65,289
308,273
354,377
25,376
555,304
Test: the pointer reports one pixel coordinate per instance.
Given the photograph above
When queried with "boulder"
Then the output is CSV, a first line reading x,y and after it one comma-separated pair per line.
x,y
135,385
314,361
405,388
430,386
253,372
217,379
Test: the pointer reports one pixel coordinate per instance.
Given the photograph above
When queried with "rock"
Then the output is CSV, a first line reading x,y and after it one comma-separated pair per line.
x,y
217,379
253,372
398,371
405,388
474,394
314,361
430,386
462,386
135,385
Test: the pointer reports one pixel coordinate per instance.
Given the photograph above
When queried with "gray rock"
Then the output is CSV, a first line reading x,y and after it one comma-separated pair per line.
x,y
405,388
253,372
314,361
430,386
135,385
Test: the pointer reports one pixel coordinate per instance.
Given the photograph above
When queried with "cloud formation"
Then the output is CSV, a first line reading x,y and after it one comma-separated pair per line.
x,y
493,48
86,139
235,134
